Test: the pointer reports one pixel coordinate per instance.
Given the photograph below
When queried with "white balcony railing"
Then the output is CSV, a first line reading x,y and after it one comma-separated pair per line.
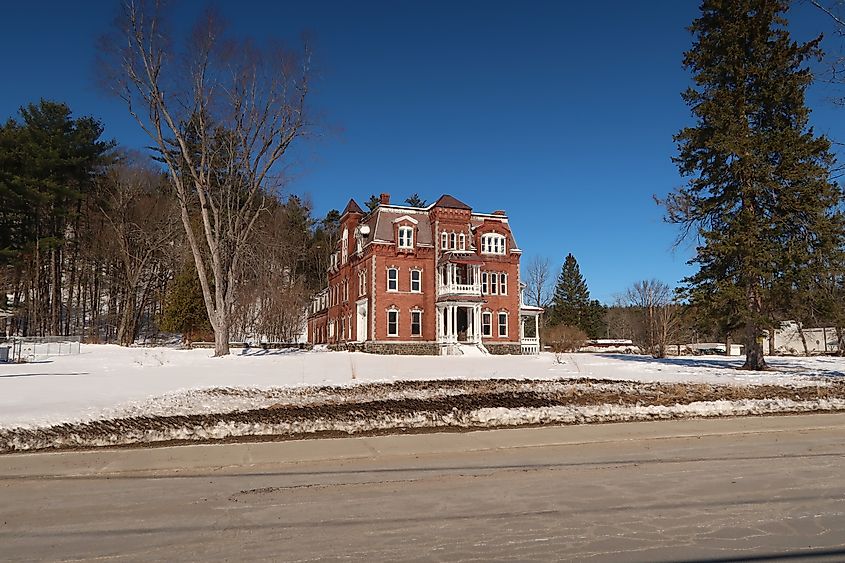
x,y
460,289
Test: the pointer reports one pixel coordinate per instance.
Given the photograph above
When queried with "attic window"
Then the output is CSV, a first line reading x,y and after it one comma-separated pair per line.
x,y
492,243
406,237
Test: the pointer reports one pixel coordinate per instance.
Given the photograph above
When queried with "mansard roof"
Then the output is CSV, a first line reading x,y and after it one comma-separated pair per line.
x,y
386,216
352,207
453,203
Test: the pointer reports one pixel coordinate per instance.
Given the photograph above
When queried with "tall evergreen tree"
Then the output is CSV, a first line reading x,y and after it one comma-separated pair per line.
x,y
571,300
759,195
372,202
415,200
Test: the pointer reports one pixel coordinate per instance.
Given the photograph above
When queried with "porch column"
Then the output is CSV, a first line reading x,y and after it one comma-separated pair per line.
x,y
439,323
477,314
537,330
470,325
448,333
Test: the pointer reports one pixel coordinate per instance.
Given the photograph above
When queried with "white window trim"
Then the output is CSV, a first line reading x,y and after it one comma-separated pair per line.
x,y
396,312
444,241
499,324
419,280
494,283
485,287
408,240
462,241
493,243
416,312
488,315
396,279
503,283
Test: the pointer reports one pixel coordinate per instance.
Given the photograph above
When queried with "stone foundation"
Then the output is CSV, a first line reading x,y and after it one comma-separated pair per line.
x,y
504,348
391,348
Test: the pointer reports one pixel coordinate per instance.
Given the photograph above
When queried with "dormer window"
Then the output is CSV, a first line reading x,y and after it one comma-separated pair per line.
x,y
406,237
492,243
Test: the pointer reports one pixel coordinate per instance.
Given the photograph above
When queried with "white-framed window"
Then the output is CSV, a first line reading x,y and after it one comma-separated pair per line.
x,y
503,284
503,324
362,283
342,327
393,279
494,283
462,241
416,281
393,322
344,246
484,286
453,241
416,323
331,329
444,240
406,237
345,290
486,323
492,243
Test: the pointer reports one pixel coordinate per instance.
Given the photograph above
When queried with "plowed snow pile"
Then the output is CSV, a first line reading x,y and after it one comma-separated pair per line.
x,y
115,396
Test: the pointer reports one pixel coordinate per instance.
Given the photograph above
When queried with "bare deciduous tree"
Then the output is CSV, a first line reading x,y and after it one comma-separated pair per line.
x,y
538,279
141,222
658,315
221,114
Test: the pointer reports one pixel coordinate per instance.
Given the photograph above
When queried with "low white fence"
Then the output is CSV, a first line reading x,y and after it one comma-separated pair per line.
x,y
35,349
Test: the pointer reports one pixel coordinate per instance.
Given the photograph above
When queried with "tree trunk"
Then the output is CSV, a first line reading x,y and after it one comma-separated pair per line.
x,y
221,338
840,341
753,349
127,327
803,338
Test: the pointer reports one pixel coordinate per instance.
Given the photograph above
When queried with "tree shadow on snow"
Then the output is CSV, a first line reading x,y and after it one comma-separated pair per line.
x,y
787,366
686,361
255,351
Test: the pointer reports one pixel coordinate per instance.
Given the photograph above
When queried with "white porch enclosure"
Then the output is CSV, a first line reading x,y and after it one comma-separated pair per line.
x,y
529,329
459,279
459,322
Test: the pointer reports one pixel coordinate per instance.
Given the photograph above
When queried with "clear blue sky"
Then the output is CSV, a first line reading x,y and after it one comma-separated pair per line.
x,y
562,113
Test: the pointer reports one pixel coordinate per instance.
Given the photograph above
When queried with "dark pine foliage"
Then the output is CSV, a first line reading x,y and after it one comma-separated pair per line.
x,y
571,303
759,197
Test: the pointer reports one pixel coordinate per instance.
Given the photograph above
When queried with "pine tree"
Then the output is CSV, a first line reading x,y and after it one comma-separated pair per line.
x,y
572,298
758,196
184,310
372,202
415,200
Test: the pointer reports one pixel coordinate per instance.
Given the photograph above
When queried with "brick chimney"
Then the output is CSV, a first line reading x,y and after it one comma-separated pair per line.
x,y
499,212
384,199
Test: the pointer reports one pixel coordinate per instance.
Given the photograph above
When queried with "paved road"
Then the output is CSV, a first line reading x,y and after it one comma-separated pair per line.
x,y
714,490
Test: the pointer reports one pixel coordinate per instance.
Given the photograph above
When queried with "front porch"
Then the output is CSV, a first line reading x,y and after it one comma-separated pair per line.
x,y
459,323
529,329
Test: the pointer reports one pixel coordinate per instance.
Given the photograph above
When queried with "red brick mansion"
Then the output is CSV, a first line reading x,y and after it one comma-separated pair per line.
x,y
439,279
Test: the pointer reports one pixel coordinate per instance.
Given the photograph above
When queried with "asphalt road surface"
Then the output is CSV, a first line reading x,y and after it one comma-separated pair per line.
x,y
709,490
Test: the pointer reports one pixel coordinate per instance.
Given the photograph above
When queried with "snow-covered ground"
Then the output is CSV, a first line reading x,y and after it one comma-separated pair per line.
x,y
110,381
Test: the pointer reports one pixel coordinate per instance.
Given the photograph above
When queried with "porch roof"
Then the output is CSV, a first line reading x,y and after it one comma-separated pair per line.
x,y
461,258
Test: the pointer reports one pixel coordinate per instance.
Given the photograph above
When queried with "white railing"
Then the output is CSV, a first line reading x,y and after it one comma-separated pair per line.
x,y
530,345
460,288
